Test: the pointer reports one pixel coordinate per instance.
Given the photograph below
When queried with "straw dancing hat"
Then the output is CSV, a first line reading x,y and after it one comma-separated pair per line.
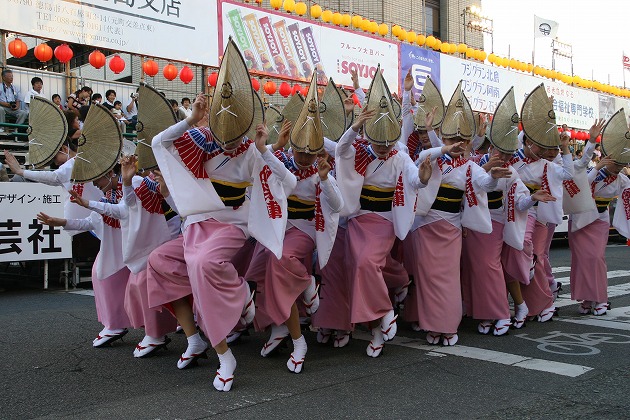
x,y
293,108
429,98
459,120
232,107
155,114
397,108
383,128
259,116
47,131
539,119
99,145
332,112
274,119
504,126
616,138
306,134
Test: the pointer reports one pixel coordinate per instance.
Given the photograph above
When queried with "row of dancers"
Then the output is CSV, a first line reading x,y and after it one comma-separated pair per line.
x,y
232,232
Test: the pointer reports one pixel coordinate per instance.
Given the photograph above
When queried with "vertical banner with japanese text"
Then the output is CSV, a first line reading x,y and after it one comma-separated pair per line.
x,y
22,237
280,45
422,62
183,30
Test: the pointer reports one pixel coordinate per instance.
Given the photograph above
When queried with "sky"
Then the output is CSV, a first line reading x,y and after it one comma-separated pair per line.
x,y
599,31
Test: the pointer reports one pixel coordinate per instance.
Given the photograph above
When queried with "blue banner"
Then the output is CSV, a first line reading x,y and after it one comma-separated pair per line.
x,y
422,62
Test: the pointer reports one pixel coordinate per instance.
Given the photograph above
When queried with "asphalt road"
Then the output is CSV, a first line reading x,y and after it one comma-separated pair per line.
x,y
567,368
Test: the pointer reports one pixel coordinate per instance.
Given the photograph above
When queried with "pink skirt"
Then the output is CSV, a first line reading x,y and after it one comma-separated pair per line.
x,y
285,279
437,295
483,283
551,228
109,296
537,293
243,257
219,293
516,264
167,274
368,244
589,279
334,291
156,323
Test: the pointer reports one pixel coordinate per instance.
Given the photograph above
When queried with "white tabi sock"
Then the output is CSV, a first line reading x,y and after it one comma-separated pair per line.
x,y
296,361
225,375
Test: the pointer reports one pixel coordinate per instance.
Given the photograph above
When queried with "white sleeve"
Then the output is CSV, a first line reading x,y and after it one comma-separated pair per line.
x,y
129,195
524,202
57,177
360,95
275,165
434,153
332,194
407,118
566,171
79,224
483,180
330,146
172,133
344,145
477,141
587,155
411,173
117,211
434,139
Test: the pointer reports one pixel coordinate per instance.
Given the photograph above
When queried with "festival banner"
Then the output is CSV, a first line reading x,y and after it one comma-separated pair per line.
x,y
279,45
22,237
171,29
575,107
422,62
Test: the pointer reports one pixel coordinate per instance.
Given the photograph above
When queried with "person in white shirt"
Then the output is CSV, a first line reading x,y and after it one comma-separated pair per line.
x,y
37,89
186,108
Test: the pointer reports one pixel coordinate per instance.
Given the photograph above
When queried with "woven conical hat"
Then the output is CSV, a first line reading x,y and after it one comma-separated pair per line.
x,y
504,125
232,107
539,119
306,134
48,130
99,145
155,114
429,98
274,119
293,108
459,120
383,128
616,138
259,116
397,108
332,113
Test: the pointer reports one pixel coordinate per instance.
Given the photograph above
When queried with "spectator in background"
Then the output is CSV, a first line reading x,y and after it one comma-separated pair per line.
x,y
97,98
186,108
110,98
578,155
57,101
74,126
131,110
10,102
178,112
37,89
79,99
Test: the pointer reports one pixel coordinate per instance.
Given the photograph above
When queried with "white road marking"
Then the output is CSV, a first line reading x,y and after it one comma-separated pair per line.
x,y
555,270
82,292
616,318
613,291
558,368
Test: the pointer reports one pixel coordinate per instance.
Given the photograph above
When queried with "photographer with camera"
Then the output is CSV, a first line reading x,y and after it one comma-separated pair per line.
x,y
10,100
131,110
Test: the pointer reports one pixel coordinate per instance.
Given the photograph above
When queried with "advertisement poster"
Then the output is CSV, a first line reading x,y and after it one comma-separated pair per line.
x,y
172,29
283,46
422,62
22,237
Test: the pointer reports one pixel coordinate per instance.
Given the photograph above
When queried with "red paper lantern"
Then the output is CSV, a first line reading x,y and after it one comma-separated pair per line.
x,y
18,48
150,68
43,52
97,59
212,78
116,64
64,53
296,88
305,91
285,89
270,88
573,134
255,84
170,72
598,139
186,75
